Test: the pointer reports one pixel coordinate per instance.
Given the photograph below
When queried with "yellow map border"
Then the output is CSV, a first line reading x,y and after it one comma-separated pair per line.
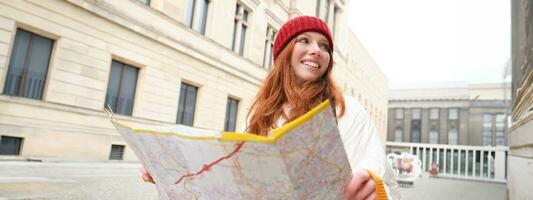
x,y
236,136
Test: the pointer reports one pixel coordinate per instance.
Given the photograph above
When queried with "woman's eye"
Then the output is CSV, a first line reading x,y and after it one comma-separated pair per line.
x,y
325,46
303,40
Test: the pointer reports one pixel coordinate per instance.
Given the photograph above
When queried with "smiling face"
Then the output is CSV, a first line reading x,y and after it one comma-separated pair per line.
x,y
310,56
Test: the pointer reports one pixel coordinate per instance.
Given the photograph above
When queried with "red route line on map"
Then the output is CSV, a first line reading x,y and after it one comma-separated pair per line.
x,y
208,167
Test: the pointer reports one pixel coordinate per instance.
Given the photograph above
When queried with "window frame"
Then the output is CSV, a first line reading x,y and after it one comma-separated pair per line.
x,y
416,125
197,15
499,131
396,111
431,116
20,29
227,126
122,152
322,8
455,122
181,120
241,25
268,59
337,10
398,134
457,113
487,131
123,66
18,150
145,2
434,135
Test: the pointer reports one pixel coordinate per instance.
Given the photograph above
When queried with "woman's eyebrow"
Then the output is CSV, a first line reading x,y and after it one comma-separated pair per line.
x,y
306,34
302,36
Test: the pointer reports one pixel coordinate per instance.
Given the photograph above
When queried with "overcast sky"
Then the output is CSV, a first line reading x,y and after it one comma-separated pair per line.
x,y
429,41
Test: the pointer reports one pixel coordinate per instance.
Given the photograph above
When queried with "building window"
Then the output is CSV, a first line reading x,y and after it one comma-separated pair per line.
x,y
453,114
398,134
322,9
415,133
500,128
145,2
239,29
121,88
336,11
28,65
434,134
453,134
117,152
269,45
317,8
434,130
398,113
434,113
190,12
416,113
197,15
231,114
453,126
10,145
187,104
415,124
487,129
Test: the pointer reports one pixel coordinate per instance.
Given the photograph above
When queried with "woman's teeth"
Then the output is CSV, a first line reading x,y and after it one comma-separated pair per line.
x,y
310,64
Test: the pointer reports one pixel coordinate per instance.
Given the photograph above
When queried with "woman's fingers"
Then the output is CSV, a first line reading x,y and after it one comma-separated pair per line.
x,y
371,197
357,184
146,176
367,190
147,179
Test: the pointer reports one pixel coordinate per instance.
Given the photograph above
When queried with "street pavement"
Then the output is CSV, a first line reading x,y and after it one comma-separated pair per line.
x,y
117,180
73,180
445,189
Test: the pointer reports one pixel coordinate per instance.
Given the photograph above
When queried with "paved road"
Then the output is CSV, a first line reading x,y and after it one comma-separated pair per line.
x,y
444,189
80,180
83,180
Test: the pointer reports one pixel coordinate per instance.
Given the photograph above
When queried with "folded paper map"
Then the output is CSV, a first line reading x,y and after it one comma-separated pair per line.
x,y
304,159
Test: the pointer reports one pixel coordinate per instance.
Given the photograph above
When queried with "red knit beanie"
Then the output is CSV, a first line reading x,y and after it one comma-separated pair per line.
x,y
298,25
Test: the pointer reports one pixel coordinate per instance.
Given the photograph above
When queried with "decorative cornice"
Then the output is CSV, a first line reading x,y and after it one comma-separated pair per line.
x,y
275,18
282,5
520,123
523,99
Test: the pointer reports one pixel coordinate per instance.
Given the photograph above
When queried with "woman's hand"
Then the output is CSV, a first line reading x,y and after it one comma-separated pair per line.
x,y
361,187
146,176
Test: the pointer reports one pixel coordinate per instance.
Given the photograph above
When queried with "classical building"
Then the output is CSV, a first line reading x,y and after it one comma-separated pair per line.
x,y
521,132
192,62
458,114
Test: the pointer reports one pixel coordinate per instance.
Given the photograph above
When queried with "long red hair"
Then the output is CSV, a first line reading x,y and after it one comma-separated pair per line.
x,y
281,88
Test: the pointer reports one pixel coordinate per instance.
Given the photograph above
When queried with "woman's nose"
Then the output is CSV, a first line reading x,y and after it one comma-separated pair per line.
x,y
314,48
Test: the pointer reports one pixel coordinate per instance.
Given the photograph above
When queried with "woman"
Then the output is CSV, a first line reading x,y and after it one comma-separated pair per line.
x,y
300,79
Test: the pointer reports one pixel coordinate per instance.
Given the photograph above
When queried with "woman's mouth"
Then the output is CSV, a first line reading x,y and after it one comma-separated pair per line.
x,y
311,64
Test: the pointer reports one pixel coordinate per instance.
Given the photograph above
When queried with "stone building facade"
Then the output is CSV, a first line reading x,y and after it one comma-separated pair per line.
x,y
520,172
472,114
193,62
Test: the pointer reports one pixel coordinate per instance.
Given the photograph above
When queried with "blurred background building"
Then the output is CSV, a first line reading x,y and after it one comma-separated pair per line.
x,y
192,62
454,114
460,128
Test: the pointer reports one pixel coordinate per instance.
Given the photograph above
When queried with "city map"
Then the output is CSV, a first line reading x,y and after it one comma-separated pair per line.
x,y
304,159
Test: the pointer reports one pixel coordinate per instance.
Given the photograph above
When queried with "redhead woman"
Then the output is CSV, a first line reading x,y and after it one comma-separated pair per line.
x,y
301,79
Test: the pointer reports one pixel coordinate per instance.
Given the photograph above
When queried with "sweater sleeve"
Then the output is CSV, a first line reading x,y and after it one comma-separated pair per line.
x,y
363,146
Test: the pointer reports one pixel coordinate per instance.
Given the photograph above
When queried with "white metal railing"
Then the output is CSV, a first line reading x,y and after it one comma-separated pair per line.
x,y
458,161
